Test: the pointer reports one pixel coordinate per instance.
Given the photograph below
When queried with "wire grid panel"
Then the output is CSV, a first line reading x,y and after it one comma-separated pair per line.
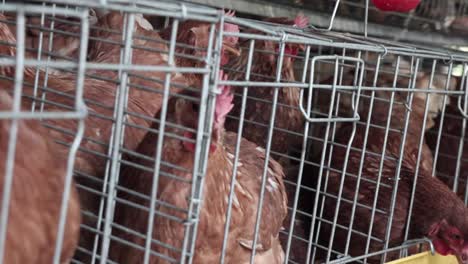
x,y
430,16
314,106
133,67
365,128
366,171
447,141
31,190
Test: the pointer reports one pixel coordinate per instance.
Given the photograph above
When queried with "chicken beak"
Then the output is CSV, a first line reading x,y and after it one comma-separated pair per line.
x,y
229,48
189,146
213,148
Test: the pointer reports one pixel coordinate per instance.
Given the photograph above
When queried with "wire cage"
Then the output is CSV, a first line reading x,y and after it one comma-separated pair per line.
x,y
430,16
363,107
35,198
211,138
131,72
434,15
433,22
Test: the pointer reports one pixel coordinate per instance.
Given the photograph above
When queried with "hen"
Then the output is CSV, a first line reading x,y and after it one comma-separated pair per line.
x,y
100,96
176,192
65,32
260,99
144,95
192,43
190,33
431,195
382,103
449,148
434,205
36,194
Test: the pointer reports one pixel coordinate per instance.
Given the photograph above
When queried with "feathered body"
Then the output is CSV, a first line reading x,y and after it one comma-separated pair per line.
x,y
433,202
144,90
449,147
99,96
36,194
244,208
195,36
259,104
432,197
177,191
65,44
144,100
213,213
401,103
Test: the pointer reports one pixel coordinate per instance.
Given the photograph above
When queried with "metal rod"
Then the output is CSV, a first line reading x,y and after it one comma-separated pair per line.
x,y
203,138
81,107
237,151
301,165
159,145
279,67
10,159
122,93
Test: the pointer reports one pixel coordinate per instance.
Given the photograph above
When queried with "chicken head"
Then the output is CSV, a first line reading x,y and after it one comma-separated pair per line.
x,y
223,106
290,49
187,112
229,47
198,37
195,39
448,239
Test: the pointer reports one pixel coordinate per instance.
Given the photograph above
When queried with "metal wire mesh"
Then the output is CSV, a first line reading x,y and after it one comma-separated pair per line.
x,y
429,16
130,74
319,160
51,204
367,105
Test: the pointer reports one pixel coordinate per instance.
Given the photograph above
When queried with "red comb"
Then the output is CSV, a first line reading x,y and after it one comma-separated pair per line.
x,y
223,101
228,27
301,21
230,13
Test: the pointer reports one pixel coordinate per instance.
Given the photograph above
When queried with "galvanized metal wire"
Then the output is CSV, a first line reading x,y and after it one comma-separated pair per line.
x,y
341,79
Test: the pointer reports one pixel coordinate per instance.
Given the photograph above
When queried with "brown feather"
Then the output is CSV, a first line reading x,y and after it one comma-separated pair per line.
x,y
213,212
260,99
36,194
449,147
66,35
431,198
100,96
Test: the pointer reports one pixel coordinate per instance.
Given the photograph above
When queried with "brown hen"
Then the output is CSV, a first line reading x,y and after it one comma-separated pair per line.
x,y
65,43
260,99
36,194
259,103
449,148
434,203
100,96
428,209
189,33
215,195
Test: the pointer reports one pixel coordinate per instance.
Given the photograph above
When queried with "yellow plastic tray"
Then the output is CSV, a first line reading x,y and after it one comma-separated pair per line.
x,y
426,258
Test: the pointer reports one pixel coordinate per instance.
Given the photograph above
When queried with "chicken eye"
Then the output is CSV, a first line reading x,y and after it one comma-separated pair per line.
x,y
455,236
195,108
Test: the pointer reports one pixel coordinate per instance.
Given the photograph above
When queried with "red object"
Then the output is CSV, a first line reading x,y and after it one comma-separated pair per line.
x,y
396,5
